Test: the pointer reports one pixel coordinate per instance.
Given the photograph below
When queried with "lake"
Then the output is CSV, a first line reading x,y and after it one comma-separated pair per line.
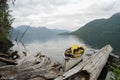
x,y
52,47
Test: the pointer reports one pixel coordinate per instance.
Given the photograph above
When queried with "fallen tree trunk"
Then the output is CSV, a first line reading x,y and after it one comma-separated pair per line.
x,y
11,62
4,55
39,66
9,69
25,75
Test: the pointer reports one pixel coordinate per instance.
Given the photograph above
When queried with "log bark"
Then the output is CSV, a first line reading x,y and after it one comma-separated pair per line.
x,y
4,55
11,62
24,75
39,67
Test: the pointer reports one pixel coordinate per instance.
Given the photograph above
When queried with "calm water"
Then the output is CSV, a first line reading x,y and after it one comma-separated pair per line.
x,y
52,47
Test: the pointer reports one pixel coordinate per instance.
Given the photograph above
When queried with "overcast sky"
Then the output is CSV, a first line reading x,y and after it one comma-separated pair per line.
x,y
62,14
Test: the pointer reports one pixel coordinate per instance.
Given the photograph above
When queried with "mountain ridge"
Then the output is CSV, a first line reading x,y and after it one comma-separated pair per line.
x,y
34,33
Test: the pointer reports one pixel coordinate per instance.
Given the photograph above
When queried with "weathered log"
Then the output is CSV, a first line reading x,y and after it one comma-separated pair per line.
x,y
34,63
8,70
4,55
45,62
98,64
37,78
11,62
40,67
27,74
14,73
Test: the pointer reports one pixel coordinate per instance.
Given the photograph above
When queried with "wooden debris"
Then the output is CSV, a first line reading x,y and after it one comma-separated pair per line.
x,y
24,75
39,67
9,58
12,62
4,55
14,55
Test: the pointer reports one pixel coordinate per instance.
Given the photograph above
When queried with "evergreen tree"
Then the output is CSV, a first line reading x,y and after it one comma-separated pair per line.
x,y
5,23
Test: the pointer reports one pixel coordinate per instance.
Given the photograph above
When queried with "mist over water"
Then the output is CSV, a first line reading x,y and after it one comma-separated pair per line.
x,y
53,47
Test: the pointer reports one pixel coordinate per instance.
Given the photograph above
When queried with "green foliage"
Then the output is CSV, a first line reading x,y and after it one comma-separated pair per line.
x,y
5,20
115,73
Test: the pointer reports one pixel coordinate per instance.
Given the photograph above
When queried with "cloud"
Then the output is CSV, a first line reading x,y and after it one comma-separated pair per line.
x,y
62,14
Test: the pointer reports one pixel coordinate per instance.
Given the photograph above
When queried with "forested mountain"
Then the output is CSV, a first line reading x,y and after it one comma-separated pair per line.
x,y
101,26
102,31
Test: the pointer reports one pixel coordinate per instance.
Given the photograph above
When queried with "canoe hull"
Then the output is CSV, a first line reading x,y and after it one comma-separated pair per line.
x,y
71,62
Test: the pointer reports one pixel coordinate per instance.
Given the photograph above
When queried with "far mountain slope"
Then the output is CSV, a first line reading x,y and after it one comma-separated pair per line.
x,y
33,33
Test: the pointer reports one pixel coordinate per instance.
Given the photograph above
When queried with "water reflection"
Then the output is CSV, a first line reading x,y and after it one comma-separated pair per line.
x,y
99,41
52,47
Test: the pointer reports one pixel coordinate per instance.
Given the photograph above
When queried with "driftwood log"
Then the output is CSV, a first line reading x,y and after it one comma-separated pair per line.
x,y
30,67
90,68
12,62
27,74
9,58
4,55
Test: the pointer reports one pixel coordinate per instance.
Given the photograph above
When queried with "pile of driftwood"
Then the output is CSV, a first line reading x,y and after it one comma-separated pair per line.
x,y
39,67
9,58
29,67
